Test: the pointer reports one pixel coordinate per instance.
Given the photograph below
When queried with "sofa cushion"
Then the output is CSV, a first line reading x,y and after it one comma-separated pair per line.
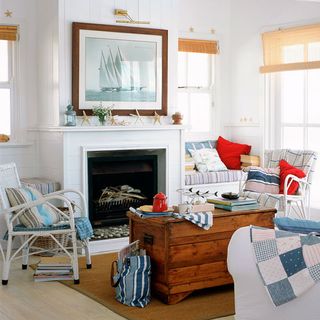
x,y
189,164
196,145
207,160
230,152
194,178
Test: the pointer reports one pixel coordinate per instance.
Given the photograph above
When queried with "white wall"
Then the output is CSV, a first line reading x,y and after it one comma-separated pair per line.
x,y
204,16
24,14
45,52
161,14
250,18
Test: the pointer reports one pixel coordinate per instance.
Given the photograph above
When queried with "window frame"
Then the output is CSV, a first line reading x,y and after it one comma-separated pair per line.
x,y
274,126
12,85
210,89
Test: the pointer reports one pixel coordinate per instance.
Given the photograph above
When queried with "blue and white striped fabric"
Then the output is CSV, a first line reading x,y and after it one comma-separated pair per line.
x,y
201,219
133,279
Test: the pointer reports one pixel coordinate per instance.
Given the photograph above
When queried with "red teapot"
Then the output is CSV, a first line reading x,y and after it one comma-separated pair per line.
x,y
160,202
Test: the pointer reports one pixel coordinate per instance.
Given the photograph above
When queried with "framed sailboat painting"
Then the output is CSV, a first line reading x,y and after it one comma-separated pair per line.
x,y
123,67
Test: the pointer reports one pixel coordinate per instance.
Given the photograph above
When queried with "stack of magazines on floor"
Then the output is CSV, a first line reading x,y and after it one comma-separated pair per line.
x,y
53,271
240,204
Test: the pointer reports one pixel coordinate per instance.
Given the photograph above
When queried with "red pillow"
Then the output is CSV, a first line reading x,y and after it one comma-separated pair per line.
x,y
230,152
285,169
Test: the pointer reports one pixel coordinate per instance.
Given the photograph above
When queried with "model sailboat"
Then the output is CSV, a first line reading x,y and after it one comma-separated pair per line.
x,y
116,74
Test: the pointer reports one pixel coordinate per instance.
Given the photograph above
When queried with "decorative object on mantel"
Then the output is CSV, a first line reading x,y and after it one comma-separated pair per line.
x,y
125,14
70,116
115,122
137,116
8,13
102,113
156,118
4,138
177,118
85,119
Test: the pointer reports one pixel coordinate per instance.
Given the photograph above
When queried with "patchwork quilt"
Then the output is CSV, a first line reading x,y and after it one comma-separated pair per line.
x,y
289,263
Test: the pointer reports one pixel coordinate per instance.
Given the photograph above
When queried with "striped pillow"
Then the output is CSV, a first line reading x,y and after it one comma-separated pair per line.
x,y
263,180
35,217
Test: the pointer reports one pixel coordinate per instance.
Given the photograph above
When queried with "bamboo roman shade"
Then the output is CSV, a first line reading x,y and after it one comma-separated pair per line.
x,y
199,46
8,33
291,49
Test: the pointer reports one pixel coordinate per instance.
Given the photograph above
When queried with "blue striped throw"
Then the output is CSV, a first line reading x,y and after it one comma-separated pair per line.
x,y
133,281
201,219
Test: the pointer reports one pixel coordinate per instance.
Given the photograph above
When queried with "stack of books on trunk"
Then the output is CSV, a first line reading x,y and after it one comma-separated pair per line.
x,y
53,271
240,204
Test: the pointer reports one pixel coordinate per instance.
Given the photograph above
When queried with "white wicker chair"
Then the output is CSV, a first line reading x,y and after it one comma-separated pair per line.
x,y
9,178
284,203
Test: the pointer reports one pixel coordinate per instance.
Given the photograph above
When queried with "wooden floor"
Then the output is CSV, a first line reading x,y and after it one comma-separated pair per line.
x,y
24,299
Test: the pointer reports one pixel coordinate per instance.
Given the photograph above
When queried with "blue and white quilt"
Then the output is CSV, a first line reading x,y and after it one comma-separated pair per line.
x,y
289,263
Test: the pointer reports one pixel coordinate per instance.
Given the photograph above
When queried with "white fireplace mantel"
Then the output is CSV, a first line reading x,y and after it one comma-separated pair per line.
x,y
63,151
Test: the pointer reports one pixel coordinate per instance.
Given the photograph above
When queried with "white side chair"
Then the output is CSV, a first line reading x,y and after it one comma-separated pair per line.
x,y
9,178
299,203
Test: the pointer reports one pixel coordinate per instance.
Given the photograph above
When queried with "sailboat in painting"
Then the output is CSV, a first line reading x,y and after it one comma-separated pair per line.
x,y
115,74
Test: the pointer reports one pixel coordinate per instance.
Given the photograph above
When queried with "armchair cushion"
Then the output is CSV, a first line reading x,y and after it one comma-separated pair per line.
x,y
297,225
286,169
34,217
263,180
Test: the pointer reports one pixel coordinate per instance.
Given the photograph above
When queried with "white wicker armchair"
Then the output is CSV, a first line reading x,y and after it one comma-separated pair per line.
x,y
299,204
9,179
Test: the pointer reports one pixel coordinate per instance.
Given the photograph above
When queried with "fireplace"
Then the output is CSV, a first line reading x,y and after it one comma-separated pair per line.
x,y
119,179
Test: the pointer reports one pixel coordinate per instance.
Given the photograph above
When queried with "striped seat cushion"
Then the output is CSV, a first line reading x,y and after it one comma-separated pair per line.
x,y
263,180
194,178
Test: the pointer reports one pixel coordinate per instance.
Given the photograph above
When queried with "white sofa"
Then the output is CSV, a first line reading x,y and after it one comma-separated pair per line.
x,y
251,298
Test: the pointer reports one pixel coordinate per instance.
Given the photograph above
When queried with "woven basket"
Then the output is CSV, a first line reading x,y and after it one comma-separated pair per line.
x,y
50,244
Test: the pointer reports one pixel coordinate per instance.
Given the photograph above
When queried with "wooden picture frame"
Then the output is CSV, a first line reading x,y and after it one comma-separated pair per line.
x,y
119,66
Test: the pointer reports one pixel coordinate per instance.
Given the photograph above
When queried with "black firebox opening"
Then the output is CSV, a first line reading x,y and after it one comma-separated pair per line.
x,y
117,182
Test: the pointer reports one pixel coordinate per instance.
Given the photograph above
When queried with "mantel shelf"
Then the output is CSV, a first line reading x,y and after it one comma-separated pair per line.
x,y
109,128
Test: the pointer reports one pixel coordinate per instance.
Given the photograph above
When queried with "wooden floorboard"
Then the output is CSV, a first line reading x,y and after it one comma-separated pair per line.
x,y
25,299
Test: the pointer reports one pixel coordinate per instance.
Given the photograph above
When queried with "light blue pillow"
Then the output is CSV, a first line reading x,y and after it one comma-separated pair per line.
x,y
49,215
297,225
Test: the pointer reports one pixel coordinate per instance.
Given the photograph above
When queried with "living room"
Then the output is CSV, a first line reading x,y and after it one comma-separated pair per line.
x,y
237,100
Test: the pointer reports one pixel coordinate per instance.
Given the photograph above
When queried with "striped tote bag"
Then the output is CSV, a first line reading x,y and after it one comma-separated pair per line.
x,y
132,280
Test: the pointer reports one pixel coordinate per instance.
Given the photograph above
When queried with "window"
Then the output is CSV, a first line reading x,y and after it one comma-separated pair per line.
x,y
294,98
195,83
7,80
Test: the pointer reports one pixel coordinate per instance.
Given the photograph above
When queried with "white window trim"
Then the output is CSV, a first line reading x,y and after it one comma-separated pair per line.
x,y
213,124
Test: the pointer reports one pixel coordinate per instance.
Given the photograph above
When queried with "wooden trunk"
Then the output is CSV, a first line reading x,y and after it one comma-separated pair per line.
x,y
186,257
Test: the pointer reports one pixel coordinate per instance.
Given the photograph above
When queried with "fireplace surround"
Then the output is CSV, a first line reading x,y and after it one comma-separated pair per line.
x,y
64,153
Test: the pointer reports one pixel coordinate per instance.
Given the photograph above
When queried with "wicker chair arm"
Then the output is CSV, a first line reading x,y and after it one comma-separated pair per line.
x,y
62,193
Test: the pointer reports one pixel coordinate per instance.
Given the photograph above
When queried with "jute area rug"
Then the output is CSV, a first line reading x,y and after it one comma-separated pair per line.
x,y
200,305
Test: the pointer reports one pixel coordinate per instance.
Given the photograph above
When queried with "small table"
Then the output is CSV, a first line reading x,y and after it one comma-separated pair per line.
x,y
186,257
